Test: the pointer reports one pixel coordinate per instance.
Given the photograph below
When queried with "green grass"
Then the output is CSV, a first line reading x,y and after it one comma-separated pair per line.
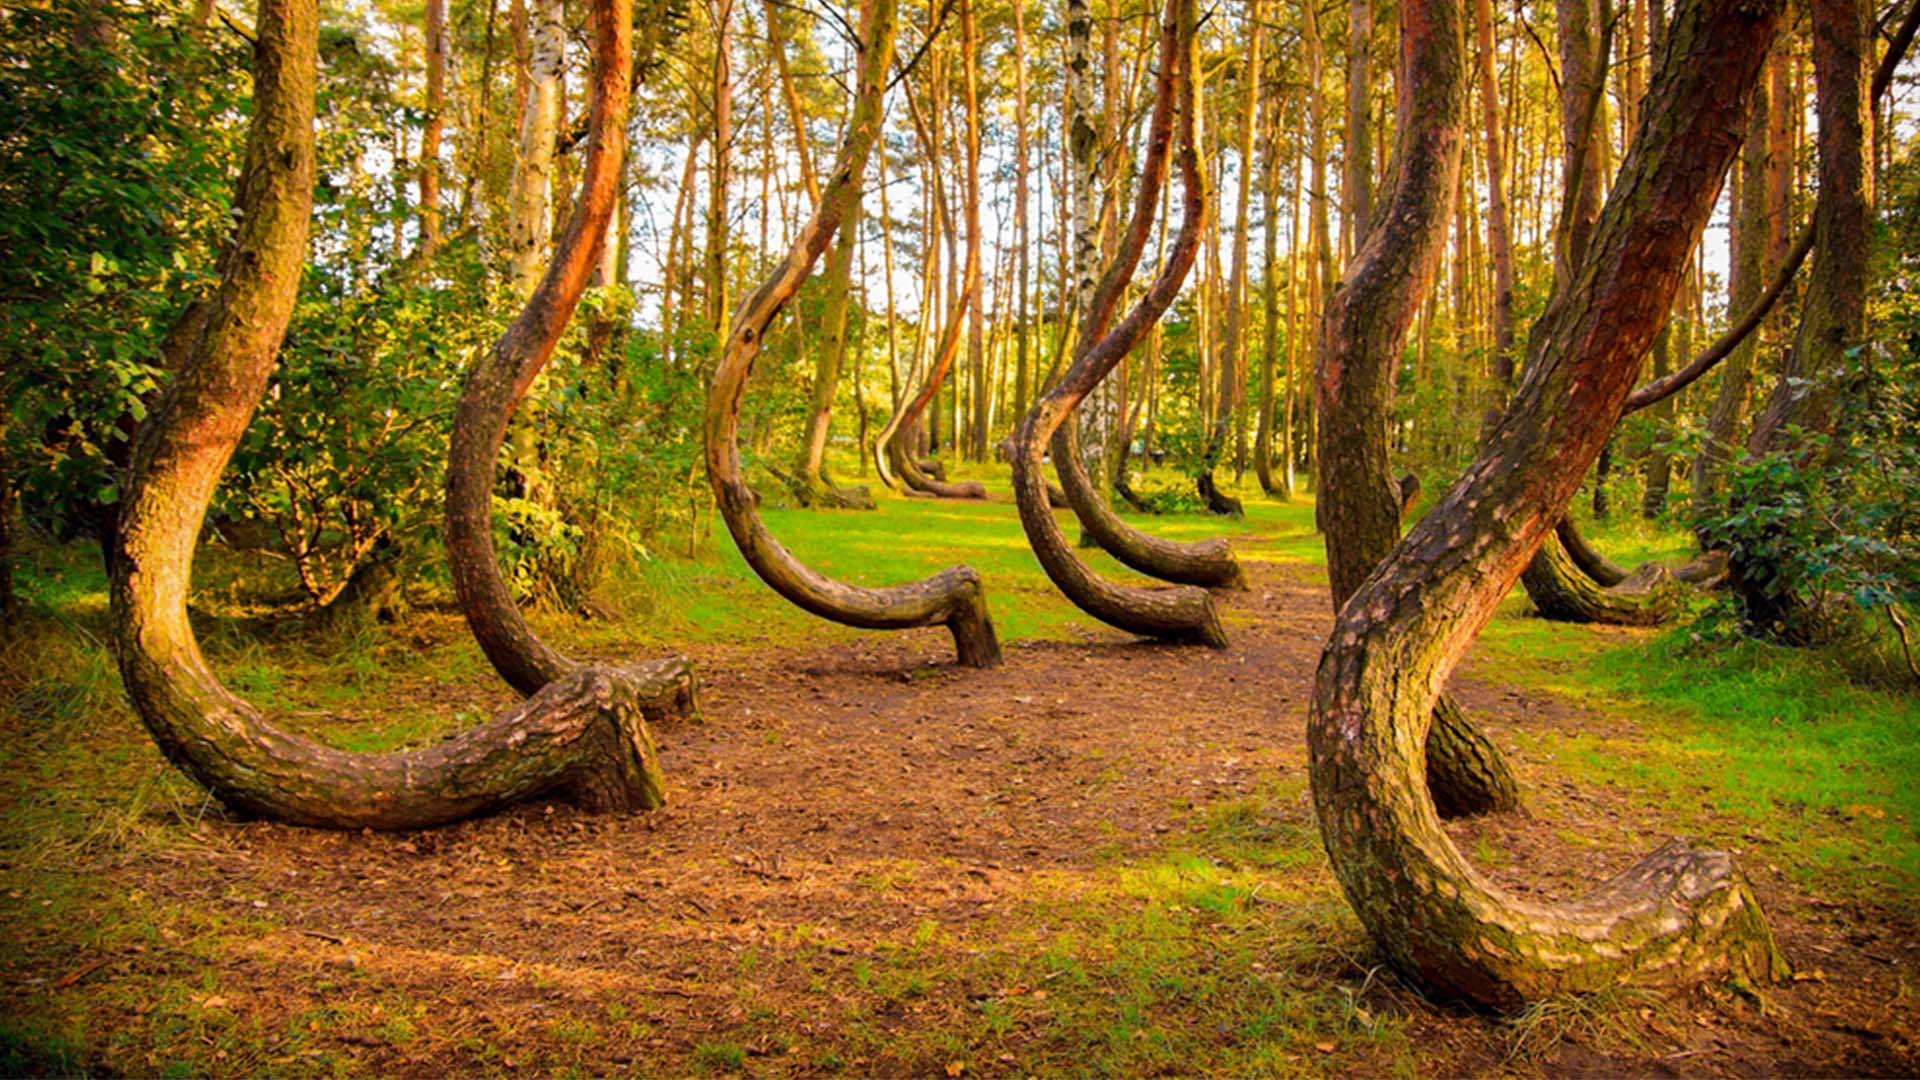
x,y
1782,743
1226,950
716,598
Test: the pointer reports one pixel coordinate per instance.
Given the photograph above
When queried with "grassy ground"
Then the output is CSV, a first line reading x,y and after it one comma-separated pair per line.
x,y
1222,950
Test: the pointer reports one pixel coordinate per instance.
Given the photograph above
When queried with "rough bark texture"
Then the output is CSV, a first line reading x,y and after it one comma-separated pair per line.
x,y
1230,391
499,379
1182,613
1680,912
1364,328
584,736
955,598
1834,316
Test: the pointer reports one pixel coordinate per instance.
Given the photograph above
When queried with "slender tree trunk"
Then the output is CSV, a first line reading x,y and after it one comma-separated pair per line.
x,y
436,103
1263,469
1023,373
1356,181
722,166
529,219
976,329
1499,239
1801,408
1230,395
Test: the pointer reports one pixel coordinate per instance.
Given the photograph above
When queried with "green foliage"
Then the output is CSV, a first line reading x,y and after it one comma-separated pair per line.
x,y
1830,519
118,132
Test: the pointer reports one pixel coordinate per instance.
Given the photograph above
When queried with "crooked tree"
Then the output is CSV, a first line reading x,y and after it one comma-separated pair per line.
x,y
583,735
954,598
1680,912
1357,364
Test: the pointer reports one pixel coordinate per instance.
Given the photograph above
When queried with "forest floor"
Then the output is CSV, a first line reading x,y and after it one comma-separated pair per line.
x,y
1096,859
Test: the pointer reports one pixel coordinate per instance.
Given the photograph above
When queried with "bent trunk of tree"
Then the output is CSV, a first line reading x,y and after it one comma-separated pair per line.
x,y
498,381
1182,613
1361,338
584,736
954,598
1680,913
1207,563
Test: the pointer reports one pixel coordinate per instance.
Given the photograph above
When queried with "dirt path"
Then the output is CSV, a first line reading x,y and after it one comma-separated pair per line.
x,y
864,847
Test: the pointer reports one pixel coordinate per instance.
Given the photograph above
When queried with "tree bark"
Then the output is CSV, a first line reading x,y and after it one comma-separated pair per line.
x,y
584,736
1358,358
499,379
1182,613
1833,319
1680,913
529,218
1356,157
955,598
436,63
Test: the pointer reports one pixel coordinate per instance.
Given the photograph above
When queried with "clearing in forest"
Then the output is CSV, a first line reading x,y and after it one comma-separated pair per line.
x,y
1099,857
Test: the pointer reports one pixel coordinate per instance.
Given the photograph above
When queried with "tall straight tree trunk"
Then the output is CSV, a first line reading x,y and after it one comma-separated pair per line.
x,y
1263,470
529,217
1583,131
1356,156
1499,238
1023,365
1320,264
1231,388
436,104
721,175
976,331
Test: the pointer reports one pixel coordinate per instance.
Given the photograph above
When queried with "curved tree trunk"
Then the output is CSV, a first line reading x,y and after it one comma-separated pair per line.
x,y
1182,613
1361,338
497,382
955,598
584,736
1562,591
1207,563
1680,912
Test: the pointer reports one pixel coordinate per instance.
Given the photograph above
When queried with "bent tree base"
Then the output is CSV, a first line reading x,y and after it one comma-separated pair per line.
x,y
1207,563
954,598
1680,913
1181,613
584,736
1563,592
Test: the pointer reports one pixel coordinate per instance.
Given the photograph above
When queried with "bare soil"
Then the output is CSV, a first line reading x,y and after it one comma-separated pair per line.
x,y
838,801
